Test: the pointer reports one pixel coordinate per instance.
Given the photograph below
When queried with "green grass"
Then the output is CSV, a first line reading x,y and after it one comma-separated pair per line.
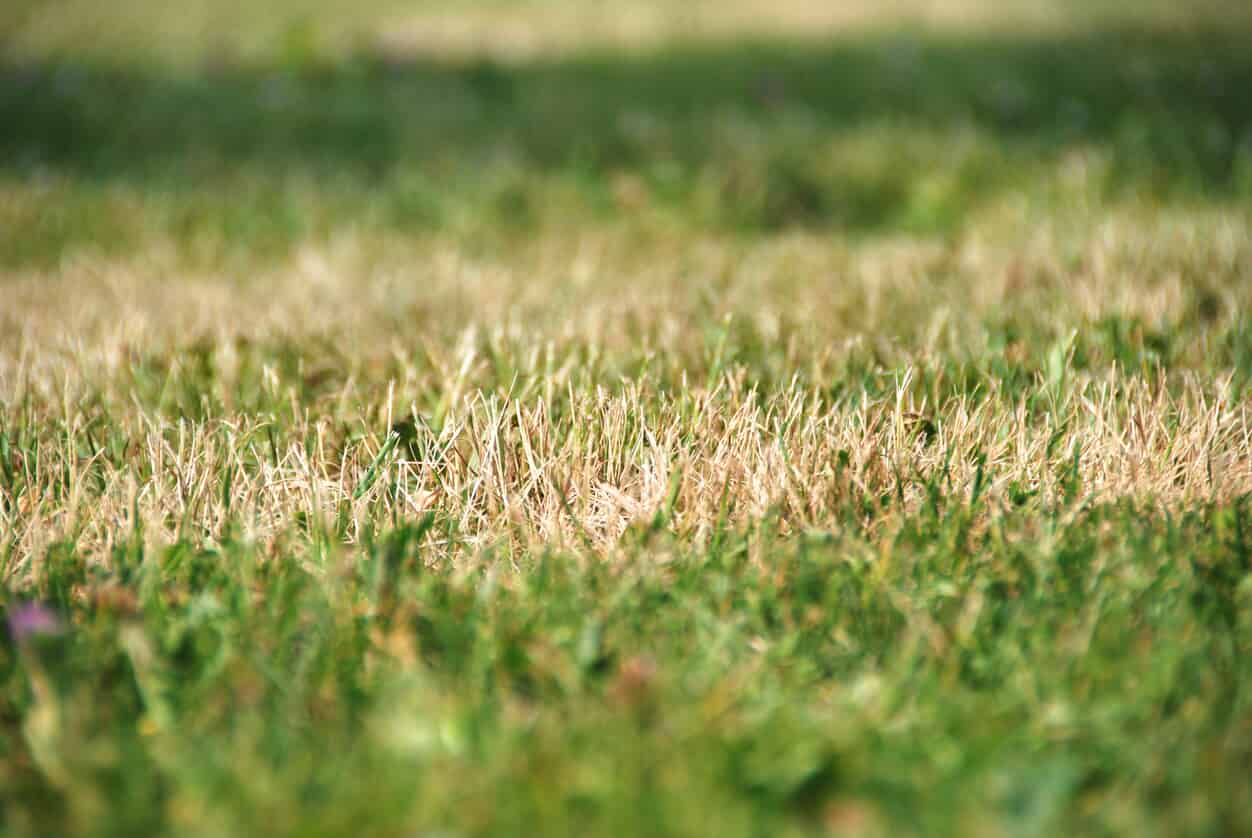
x,y
1052,672
737,431
869,133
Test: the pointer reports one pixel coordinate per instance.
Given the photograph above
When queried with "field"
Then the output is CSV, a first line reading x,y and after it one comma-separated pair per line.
x,y
767,418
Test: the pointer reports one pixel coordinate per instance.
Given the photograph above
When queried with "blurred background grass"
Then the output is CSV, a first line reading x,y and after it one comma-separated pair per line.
x,y
229,131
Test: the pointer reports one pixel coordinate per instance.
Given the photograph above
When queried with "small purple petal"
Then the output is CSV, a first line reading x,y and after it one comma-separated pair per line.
x,y
31,619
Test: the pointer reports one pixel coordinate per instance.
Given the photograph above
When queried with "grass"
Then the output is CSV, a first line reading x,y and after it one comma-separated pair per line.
x,y
245,156
489,418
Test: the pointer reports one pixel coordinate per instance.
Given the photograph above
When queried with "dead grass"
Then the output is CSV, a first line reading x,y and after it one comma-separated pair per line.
x,y
612,287
534,438
508,469
523,31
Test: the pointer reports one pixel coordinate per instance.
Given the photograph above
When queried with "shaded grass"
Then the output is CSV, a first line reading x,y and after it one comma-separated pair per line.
x,y
875,133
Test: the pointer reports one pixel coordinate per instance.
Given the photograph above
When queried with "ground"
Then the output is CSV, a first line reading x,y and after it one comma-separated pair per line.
x,y
744,418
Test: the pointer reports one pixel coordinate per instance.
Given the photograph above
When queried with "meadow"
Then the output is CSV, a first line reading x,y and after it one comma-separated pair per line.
x,y
569,418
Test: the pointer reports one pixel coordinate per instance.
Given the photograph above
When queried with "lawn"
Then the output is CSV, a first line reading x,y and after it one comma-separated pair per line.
x,y
570,418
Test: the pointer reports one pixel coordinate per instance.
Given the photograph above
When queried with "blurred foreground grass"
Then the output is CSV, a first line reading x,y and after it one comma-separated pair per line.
x,y
579,418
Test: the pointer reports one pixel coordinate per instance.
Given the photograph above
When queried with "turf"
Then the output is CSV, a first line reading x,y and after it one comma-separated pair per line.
x,y
752,418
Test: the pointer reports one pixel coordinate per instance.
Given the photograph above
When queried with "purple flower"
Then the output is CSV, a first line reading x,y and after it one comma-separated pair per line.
x,y
30,619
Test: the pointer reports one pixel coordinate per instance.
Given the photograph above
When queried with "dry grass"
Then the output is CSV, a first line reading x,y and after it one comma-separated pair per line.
x,y
622,289
538,28
532,448
530,30
505,468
